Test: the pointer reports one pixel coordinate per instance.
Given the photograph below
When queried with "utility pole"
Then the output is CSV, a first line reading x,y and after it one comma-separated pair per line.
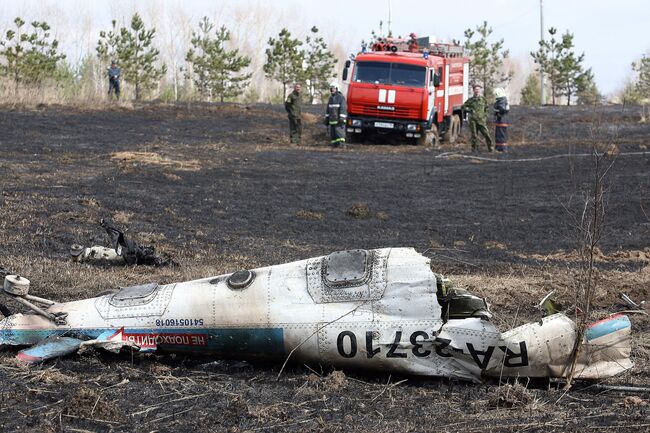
x,y
542,93
389,21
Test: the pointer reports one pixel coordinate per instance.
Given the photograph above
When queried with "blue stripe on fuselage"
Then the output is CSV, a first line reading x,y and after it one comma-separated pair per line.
x,y
255,342
27,337
607,327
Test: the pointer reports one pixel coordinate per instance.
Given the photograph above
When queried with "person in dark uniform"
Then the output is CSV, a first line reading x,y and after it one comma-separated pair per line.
x,y
501,109
114,74
293,105
336,115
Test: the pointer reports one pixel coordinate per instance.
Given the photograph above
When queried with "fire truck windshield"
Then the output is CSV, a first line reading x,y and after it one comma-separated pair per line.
x,y
397,74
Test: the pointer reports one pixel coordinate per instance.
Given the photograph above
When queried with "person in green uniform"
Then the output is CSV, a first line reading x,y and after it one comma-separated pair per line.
x,y
293,105
477,109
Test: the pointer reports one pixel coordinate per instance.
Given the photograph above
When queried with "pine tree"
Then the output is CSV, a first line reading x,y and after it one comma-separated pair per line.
x,y
642,68
587,91
486,67
572,74
42,57
548,57
564,69
13,48
319,65
107,44
531,93
138,57
29,57
630,94
199,58
284,60
214,69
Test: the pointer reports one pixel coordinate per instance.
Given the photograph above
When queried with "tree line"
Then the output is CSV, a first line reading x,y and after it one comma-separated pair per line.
x,y
30,56
556,58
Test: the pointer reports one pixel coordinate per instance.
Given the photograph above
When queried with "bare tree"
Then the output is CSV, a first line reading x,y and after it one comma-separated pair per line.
x,y
588,223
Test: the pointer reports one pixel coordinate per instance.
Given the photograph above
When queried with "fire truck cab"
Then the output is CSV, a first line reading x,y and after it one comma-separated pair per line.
x,y
409,88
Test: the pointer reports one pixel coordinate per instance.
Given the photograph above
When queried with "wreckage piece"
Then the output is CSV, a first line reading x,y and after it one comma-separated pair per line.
x,y
18,288
124,251
96,253
378,309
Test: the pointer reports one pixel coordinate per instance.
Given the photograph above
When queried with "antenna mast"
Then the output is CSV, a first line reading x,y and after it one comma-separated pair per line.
x,y
389,20
542,93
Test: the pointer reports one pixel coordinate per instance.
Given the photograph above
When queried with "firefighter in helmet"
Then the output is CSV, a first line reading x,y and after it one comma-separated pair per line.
x,y
477,109
336,115
501,109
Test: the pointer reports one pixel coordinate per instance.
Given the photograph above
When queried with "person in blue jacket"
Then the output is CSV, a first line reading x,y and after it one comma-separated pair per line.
x,y
114,75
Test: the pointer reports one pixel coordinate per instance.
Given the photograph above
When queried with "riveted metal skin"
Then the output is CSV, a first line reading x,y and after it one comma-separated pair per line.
x,y
148,300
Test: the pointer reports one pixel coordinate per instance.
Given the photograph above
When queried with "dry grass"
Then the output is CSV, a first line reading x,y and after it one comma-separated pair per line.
x,y
310,215
29,98
86,402
121,217
128,160
512,396
89,202
335,381
599,256
359,211
311,118
495,245
381,215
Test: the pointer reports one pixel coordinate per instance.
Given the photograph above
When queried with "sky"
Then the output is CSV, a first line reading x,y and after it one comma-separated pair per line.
x,y
612,34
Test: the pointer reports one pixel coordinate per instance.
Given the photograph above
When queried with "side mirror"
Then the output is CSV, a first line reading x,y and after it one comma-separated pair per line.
x,y
345,74
436,80
347,64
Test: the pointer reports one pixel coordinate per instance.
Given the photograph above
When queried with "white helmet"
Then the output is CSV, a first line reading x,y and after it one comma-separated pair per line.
x,y
334,84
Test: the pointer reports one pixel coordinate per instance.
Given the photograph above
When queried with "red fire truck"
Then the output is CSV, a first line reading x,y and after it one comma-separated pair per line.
x,y
411,89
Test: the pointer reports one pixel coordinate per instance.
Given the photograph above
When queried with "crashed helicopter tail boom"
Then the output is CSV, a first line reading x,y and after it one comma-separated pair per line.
x,y
368,309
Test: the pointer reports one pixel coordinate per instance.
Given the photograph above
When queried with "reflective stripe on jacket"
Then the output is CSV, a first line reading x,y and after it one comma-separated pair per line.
x,y
337,109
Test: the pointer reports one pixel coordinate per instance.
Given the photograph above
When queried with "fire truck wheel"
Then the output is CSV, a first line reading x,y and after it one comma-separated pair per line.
x,y
353,138
451,135
428,139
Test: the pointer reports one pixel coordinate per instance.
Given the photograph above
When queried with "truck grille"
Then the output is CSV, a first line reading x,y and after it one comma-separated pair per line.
x,y
371,110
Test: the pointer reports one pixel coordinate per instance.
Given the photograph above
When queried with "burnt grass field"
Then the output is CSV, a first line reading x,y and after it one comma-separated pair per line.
x,y
219,188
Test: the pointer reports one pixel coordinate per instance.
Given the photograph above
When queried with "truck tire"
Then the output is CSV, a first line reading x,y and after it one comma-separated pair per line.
x,y
429,138
451,135
354,138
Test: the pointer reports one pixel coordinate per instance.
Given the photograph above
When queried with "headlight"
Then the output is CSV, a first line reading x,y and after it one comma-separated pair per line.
x,y
411,127
356,122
